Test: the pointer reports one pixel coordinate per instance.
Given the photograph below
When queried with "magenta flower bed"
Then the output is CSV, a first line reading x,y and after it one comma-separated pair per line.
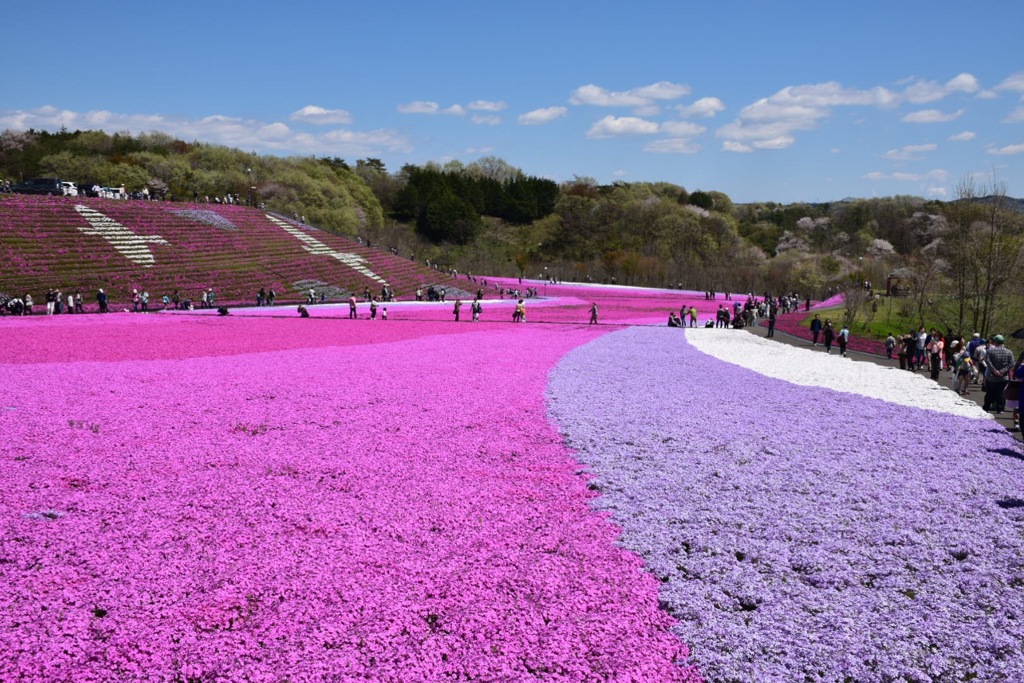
x,y
795,324
222,499
554,304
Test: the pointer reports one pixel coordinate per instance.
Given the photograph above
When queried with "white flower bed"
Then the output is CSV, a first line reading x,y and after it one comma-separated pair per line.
x,y
807,368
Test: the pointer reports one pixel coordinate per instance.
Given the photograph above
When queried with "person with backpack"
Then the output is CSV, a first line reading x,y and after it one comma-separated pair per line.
x,y
843,338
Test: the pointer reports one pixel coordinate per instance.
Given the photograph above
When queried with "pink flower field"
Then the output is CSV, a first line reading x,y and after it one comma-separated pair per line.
x,y
196,498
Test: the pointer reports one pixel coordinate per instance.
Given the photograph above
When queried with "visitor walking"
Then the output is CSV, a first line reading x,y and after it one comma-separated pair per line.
x,y
828,335
815,329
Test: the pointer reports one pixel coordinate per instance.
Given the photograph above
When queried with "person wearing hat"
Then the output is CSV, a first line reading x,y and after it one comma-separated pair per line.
x,y
998,364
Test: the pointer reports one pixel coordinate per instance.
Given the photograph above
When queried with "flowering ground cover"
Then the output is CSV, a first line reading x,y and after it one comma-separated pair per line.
x,y
261,497
567,303
88,243
802,533
258,499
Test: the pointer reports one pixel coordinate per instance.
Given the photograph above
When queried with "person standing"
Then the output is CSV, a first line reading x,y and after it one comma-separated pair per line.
x,y
519,314
593,313
815,329
457,309
890,344
352,307
999,362
101,299
373,309
934,356
693,316
477,308
772,313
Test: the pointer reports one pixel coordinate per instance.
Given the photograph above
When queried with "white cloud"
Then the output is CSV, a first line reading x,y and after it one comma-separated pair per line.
x,y
681,129
645,96
485,119
430,108
540,116
1014,83
770,122
419,107
733,146
248,134
908,152
1015,116
937,175
834,94
486,105
611,126
1007,150
673,146
932,116
705,107
936,191
922,92
780,142
320,116
962,137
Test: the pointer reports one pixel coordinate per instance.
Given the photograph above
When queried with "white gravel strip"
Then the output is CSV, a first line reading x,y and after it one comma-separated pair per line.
x,y
814,368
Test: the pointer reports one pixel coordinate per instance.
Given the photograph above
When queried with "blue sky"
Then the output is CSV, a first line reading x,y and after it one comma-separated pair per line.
x,y
765,101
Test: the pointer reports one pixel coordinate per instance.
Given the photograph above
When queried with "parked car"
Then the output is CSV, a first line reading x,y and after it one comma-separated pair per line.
x,y
70,189
88,189
50,186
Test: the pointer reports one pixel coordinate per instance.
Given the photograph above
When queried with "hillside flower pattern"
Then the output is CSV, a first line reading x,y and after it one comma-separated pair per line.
x,y
127,243
315,246
801,533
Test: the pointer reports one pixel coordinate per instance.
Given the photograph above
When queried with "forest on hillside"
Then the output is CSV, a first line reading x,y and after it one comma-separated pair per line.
x,y
956,263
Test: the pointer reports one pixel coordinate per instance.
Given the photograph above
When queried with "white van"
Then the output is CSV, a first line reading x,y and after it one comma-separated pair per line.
x,y
69,189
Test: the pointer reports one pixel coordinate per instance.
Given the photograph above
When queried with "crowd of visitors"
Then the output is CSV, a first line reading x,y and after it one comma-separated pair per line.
x,y
980,364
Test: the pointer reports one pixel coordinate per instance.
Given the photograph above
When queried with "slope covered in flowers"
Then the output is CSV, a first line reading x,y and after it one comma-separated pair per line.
x,y
88,244
238,499
802,533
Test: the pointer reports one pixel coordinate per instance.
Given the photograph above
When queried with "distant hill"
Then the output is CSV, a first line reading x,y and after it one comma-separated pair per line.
x,y
1012,203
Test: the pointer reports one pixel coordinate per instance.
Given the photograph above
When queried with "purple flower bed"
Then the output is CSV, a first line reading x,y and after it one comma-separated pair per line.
x,y
206,216
802,534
